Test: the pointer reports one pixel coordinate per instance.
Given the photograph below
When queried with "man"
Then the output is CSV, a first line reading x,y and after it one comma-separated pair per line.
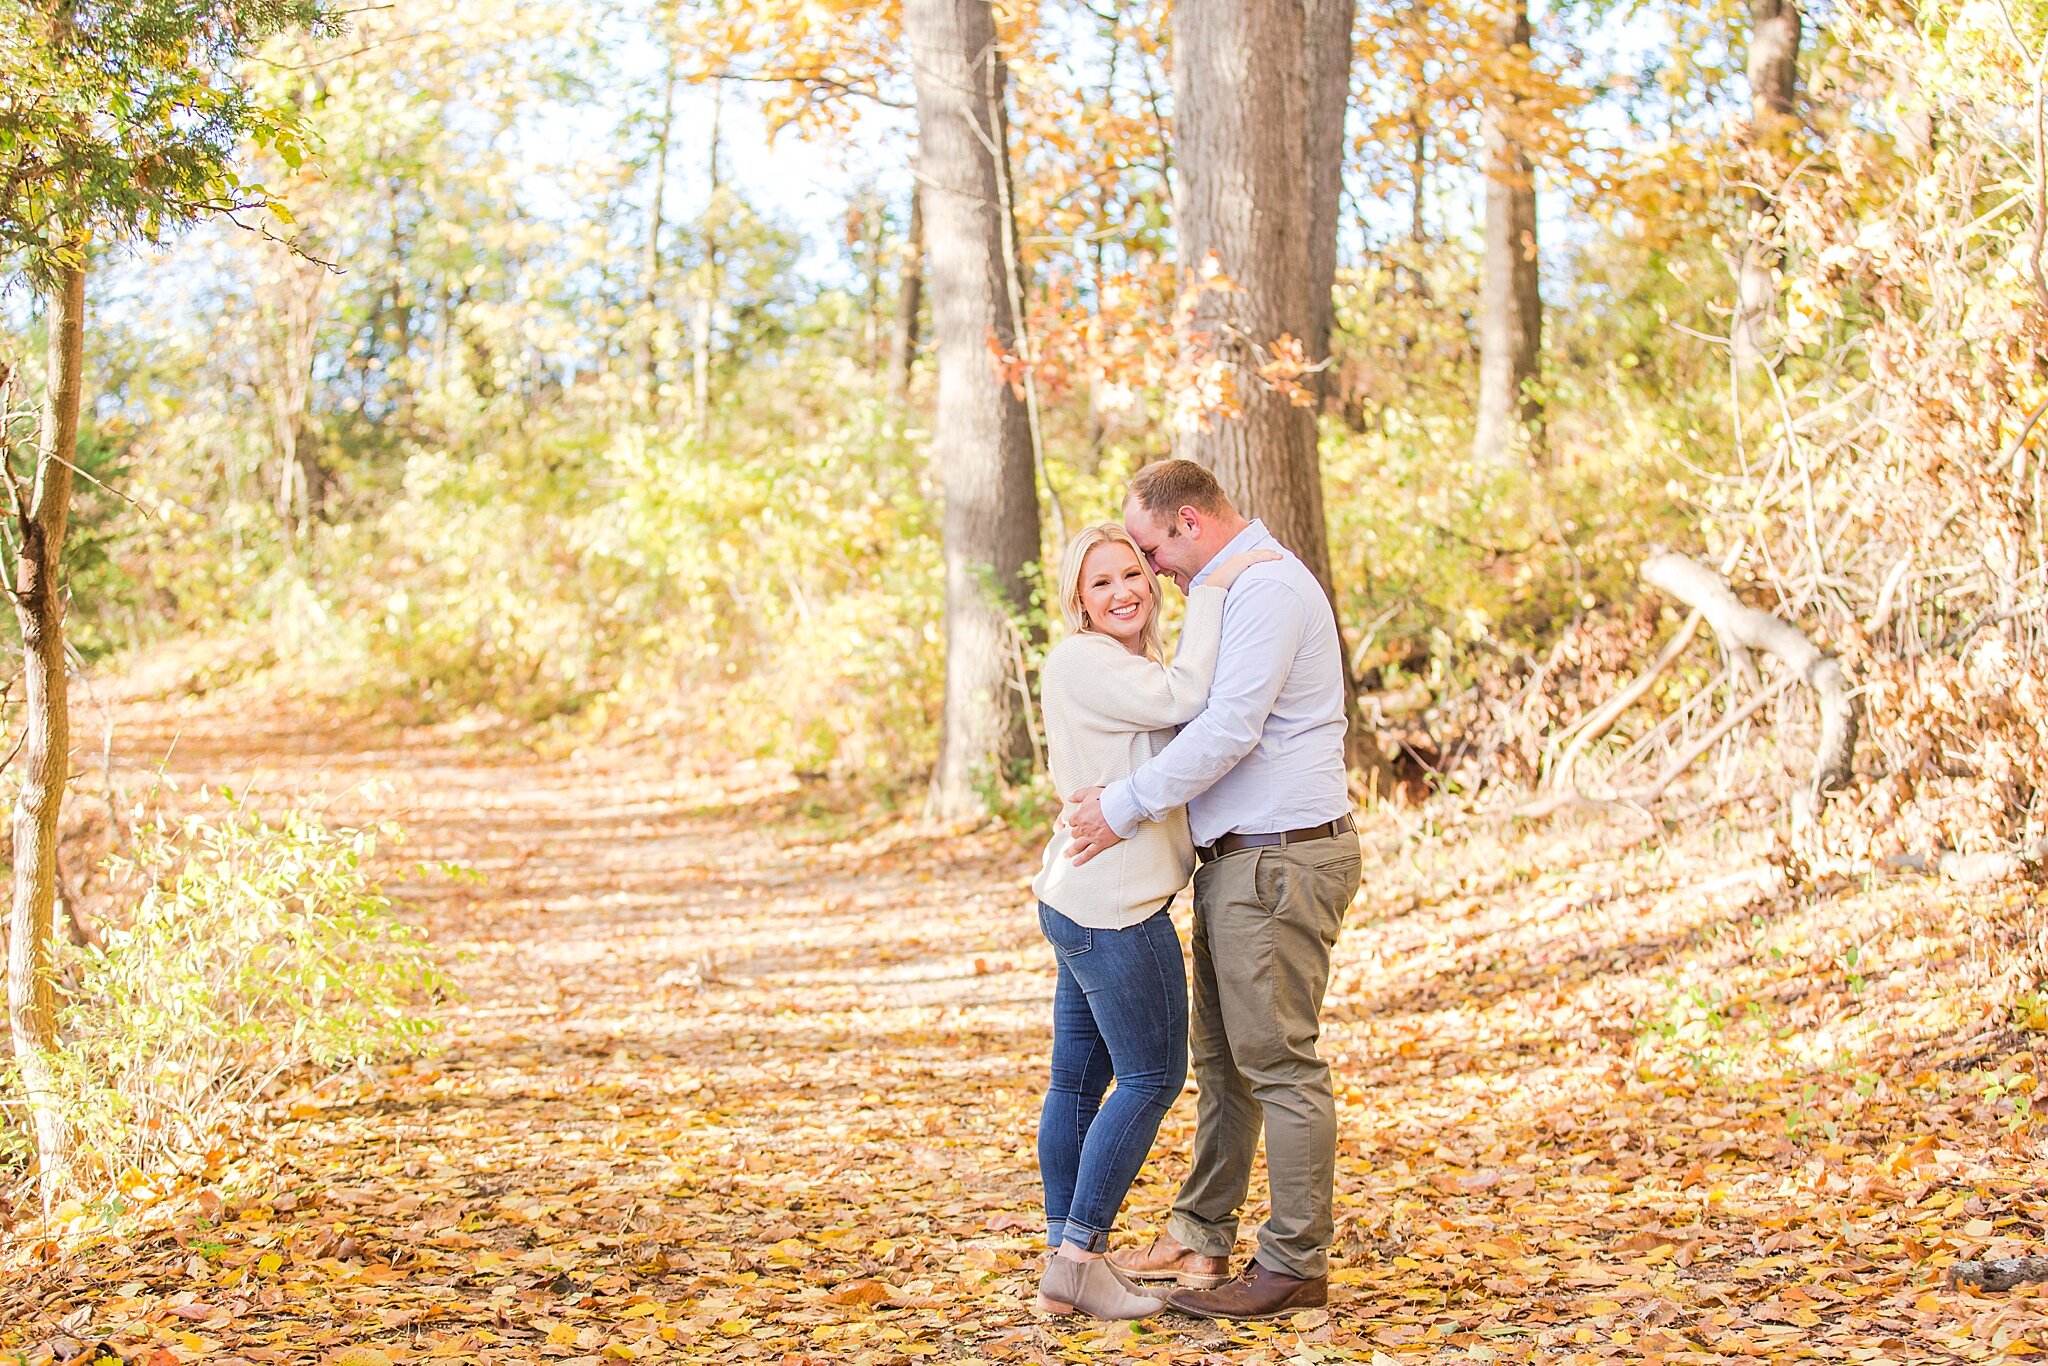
x,y
1261,771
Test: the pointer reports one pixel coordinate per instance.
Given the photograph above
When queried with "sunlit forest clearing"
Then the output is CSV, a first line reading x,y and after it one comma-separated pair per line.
x,y
533,533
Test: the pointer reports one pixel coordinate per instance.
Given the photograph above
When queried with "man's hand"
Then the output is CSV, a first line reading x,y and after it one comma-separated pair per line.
x,y
1083,816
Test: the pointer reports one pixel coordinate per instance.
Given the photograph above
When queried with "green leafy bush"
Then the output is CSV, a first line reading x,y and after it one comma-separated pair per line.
x,y
255,949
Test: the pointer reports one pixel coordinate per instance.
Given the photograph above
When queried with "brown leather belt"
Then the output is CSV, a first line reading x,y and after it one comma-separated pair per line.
x,y
1231,844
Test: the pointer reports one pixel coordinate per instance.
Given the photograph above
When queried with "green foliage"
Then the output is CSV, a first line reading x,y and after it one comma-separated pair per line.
x,y
1022,798
1442,559
124,120
99,521
781,584
802,580
1437,560
256,948
1698,1032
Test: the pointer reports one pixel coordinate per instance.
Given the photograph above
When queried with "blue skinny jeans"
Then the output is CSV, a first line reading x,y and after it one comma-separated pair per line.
x,y
1120,1013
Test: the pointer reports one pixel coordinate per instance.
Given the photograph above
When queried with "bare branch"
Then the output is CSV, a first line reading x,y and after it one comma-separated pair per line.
x,y
820,79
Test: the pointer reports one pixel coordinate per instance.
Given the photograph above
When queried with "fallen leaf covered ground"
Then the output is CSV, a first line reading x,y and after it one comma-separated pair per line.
x,y
748,1073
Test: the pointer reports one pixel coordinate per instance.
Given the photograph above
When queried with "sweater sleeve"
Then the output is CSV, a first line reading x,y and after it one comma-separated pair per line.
x,y
1132,692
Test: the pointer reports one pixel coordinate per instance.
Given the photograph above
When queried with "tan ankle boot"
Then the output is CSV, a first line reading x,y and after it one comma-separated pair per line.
x,y
1093,1288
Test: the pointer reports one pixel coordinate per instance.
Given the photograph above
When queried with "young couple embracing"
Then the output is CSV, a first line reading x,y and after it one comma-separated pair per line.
x,y
1250,797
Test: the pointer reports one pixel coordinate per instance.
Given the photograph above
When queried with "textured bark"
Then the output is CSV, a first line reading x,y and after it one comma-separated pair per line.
x,y
1245,196
1327,61
1773,105
46,749
910,292
980,432
1262,87
1510,305
1773,60
2000,1273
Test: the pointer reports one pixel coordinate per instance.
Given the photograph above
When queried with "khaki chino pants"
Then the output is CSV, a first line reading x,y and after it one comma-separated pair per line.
x,y
1265,922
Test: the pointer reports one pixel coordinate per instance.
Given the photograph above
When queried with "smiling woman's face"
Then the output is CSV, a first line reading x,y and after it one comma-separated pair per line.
x,y
1116,597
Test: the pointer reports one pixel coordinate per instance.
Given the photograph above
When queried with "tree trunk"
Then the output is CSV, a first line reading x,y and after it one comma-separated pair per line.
x,y
291,310
1418,174
910,291
45,508
399,383
980,431
1327,62
1245,197
1510,306
1263,86
649,379
1415,43
875,242
707,297
1773,109
1773,60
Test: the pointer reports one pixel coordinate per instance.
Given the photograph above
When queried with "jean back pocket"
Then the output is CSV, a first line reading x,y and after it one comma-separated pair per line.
x,y
1064,935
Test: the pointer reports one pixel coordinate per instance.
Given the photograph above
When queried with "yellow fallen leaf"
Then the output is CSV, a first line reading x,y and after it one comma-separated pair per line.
x,y
733,1328
359,1356
269,1263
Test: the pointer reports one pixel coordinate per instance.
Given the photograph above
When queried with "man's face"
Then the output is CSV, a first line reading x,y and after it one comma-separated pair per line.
x,y
1167,544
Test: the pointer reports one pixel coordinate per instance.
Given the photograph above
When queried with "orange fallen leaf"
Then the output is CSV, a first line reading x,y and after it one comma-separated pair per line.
x,y
860,1292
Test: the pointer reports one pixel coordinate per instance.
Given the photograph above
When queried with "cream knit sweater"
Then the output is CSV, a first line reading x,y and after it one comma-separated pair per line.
x,y
1107,711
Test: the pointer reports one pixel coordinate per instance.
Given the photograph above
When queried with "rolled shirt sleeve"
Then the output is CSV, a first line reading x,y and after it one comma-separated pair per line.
x,y
1263,623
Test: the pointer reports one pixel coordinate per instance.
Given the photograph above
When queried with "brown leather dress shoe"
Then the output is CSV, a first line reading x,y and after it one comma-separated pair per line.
x,y
1167,1260
1258,1293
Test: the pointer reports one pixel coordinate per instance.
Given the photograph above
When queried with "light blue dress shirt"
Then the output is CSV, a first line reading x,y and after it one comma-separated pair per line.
x,y
1267,752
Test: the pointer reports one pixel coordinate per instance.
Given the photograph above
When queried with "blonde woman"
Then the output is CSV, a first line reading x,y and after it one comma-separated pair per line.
x,y
1120,1009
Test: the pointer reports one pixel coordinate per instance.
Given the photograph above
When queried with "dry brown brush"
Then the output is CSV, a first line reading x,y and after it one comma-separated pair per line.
x,y
1886,496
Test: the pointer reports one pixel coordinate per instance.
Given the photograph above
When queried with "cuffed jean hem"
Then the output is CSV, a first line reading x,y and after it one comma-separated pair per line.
x,y
1055,1230
1087,1239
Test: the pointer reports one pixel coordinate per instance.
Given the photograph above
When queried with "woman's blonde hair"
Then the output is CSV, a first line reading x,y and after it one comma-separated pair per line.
x,y
1077,550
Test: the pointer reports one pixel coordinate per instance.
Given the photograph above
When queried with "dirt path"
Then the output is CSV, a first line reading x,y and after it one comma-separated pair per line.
x,y
738,1079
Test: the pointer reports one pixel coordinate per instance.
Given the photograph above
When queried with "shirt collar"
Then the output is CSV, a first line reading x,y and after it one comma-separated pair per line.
x,y
1253,534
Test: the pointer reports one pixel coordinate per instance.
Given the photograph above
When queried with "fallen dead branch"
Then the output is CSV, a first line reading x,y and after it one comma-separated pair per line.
x,y
1992,866
1742,629
1999,1273
1603,718
1651,792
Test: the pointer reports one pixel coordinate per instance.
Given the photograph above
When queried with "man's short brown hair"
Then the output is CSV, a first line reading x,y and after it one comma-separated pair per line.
x,y
1164,488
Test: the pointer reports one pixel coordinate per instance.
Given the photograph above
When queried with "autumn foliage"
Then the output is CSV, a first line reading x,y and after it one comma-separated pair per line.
x,y
509,451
